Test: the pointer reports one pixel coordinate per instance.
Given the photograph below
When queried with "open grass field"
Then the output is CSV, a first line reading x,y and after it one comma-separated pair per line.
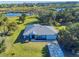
x,y
26,49
31,49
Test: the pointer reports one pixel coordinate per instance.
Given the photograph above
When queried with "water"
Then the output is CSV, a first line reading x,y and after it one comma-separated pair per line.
x,y
60,9
10,14
16,14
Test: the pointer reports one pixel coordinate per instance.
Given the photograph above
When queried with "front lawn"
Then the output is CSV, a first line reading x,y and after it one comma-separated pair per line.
x,y
31,49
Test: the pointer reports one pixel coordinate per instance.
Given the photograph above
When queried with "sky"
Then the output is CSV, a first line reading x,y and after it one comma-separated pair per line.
x,y
39,0
32,1
22,1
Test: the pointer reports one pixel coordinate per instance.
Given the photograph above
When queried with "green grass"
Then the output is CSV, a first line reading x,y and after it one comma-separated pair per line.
x,y
19,49
32,49
61,27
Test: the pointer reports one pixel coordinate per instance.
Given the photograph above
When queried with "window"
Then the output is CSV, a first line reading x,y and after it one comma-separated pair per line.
x,y
41,37
33,36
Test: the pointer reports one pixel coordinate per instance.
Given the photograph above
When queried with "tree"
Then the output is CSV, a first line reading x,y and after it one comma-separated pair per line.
x,y
11,28
22,18
46,19
5,22
66,16
2,45
70,37
5,19
1,23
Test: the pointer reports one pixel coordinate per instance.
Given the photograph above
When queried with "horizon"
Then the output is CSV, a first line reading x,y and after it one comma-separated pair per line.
x,y
19,2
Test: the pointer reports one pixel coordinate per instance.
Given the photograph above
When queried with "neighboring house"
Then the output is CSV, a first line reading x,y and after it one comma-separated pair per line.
x,y
40,32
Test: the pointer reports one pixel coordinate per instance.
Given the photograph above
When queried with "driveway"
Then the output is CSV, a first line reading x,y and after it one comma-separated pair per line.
x,y
54,49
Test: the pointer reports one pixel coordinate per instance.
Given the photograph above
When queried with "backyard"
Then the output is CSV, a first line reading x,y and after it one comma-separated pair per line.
x,y
25,49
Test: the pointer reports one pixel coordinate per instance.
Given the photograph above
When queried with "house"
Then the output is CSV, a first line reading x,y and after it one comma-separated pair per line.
x,y
40,32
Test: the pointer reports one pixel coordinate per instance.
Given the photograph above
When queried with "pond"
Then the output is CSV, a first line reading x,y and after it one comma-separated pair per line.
x,y
16,14
60,9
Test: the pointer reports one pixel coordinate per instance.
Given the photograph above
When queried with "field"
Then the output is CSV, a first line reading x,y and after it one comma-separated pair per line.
x,y
32,49
25,49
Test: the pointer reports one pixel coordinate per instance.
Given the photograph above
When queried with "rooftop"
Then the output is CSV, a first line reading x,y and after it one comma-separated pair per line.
x,y
38,29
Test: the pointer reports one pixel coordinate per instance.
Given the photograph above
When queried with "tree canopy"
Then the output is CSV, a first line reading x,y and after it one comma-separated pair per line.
x,y
70,37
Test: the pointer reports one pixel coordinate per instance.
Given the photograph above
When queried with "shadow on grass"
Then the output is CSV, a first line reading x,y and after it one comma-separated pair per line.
x,y
67,53
45,52
20,38
19,23
37,22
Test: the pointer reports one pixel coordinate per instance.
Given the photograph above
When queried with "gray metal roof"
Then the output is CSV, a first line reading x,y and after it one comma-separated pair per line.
x,y
40,30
